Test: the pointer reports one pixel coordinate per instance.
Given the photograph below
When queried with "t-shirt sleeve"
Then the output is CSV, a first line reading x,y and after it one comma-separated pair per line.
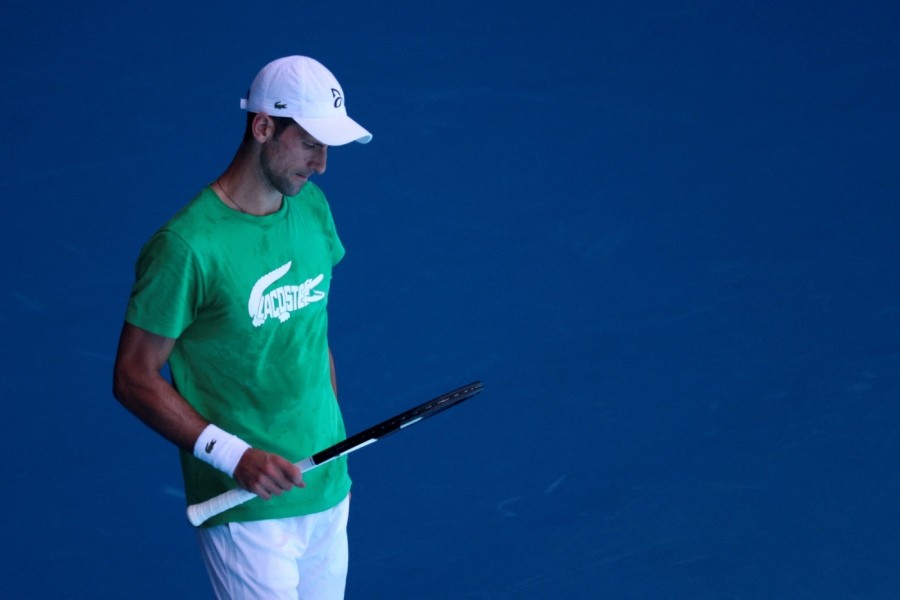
x,y
167,288
337,248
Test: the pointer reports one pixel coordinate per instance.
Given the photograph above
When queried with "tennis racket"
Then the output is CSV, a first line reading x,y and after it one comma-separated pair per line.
x,y
200,512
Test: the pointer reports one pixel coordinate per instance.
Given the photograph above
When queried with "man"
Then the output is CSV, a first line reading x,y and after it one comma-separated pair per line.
x,y
232,294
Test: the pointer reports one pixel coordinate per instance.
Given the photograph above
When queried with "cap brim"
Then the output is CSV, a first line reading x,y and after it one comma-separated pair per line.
x,y
335,131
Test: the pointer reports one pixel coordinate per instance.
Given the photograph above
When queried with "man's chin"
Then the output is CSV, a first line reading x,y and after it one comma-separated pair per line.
x,y
293,188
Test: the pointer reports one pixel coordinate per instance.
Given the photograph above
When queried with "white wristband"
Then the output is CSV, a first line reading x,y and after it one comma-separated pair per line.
x,y
220,449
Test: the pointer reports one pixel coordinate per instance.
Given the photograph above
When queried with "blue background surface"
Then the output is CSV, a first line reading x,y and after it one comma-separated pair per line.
x,y
663,233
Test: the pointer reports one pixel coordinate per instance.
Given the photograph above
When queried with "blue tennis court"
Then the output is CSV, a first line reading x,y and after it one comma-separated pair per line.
x,y
663,234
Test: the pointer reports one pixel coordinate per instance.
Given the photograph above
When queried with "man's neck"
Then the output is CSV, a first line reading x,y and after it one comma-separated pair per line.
x,y
241,188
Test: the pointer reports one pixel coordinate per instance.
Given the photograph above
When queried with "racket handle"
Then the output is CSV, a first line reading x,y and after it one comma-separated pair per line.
x,y
202,511
198,513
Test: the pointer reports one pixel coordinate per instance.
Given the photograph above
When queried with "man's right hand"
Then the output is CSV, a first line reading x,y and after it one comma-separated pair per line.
x,y
266,474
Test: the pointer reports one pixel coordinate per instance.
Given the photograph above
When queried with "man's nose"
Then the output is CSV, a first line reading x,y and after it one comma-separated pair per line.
x,y
319,160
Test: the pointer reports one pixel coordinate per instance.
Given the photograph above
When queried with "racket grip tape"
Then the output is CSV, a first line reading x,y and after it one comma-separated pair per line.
x,y
198,513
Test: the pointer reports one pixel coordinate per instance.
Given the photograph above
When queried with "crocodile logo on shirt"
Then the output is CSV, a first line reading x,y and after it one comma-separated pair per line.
x,y
281,301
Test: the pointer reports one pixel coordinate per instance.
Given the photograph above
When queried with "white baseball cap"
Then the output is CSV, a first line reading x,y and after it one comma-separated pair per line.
x,y
303,89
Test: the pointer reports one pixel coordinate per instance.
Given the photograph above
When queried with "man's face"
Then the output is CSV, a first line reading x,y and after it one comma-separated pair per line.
x,y
290,157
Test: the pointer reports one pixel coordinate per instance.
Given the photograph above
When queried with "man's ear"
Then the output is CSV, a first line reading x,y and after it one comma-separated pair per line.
x,y
262,127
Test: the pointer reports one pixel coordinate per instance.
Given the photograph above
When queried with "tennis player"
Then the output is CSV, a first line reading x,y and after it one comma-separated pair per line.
x,y
232,294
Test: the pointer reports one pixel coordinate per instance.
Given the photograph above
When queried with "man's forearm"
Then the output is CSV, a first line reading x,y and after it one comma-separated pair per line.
x,y
158,405
333,376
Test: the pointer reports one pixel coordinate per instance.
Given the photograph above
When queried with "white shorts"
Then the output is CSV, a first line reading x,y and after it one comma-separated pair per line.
x,y
298,558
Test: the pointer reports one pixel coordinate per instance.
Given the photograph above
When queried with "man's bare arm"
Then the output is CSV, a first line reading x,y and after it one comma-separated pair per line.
x,y
333,376
139,386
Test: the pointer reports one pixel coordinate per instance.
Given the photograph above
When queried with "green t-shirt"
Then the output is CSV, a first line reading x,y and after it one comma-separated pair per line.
x,y
245,298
